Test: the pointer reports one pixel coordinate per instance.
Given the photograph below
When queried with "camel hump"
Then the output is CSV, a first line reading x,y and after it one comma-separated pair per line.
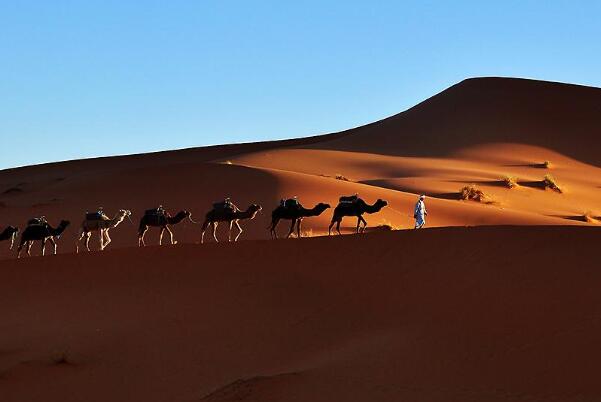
x,y
155,212
96,216
291,203
225,205
349,198
41,221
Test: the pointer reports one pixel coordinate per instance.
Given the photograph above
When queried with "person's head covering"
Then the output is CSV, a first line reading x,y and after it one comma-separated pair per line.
x,y
422,197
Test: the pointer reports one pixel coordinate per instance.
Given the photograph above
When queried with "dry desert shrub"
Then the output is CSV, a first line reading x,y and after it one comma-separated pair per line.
x,y
546,164
472,193
341,177
589,217
550,182
509,181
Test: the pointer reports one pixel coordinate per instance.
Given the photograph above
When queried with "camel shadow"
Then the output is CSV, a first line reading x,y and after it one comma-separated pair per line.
x,y
529,165
577,218
540,185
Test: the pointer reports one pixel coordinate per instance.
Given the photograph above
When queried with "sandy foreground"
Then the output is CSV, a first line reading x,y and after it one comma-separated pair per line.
x,y
470,314
495,301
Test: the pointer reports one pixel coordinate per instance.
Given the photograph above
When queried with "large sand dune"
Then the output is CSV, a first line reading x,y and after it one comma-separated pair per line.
x,y
458,312
478,131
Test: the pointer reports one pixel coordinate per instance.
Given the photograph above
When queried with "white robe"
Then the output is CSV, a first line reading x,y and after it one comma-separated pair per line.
x,y
420,213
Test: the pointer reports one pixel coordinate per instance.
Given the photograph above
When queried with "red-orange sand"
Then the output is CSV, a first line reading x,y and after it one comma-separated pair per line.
x,y
496,313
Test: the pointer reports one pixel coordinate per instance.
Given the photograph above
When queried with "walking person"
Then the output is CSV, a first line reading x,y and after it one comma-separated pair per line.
x,y
420,212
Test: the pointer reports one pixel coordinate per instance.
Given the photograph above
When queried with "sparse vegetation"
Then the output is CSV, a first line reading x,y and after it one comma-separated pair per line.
x,y
341,177
589,217
228,162
546,164
509,181
473,193
550,182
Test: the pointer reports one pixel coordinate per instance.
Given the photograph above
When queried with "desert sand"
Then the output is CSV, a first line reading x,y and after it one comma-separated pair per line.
x,y
495,301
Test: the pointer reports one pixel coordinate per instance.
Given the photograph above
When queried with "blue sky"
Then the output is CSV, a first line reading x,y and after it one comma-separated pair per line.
x,y
94,78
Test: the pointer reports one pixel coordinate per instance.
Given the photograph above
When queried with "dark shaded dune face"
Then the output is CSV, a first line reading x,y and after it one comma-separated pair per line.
x,y
564,118
483,314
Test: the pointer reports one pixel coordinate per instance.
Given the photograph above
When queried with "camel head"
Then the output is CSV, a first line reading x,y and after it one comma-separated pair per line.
x,y
322,207
380,203
255,208
124,213
61,228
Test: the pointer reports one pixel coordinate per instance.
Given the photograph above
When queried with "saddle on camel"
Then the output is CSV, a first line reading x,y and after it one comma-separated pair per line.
x,y
290,203
97,216
349,198
226,206
156,212
41,221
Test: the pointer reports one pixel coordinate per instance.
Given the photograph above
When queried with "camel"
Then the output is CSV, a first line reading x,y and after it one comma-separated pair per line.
x,y
296,215
217,215
10,232
102,225
354,208
42,232
163,221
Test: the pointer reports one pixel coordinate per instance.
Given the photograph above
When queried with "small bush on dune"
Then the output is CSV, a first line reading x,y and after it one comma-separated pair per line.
x,y
546,164
589,217
550,182
473,193
341,177
509,181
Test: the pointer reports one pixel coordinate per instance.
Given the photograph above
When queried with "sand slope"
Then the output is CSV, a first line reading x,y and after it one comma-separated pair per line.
x,y
470,314
477,131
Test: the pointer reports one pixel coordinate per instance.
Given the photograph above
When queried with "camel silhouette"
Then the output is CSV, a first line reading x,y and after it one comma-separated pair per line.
x,y
9,233
103,226
216,215
162,221
296,215
43,233
354,208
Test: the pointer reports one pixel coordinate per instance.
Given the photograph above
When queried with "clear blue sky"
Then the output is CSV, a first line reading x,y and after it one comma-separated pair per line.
x,y
93,78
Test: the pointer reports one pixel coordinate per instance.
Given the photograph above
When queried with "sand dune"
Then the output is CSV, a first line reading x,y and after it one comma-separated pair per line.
x,y
480,314
478,131
464,313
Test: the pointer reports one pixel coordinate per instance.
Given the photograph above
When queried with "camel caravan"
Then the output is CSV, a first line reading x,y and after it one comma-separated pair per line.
x,y
39,229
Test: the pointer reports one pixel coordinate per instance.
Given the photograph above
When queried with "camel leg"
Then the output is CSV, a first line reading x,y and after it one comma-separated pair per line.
x,y
161,236
12,241
229,234
101,233
364,224
88,237
338,226
21,243
141,235
29,245
108,239
239,231
298,228
358,223
170,235
53,244
80,236
202,233
291,228
214,224
273,231
330,227
43,247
